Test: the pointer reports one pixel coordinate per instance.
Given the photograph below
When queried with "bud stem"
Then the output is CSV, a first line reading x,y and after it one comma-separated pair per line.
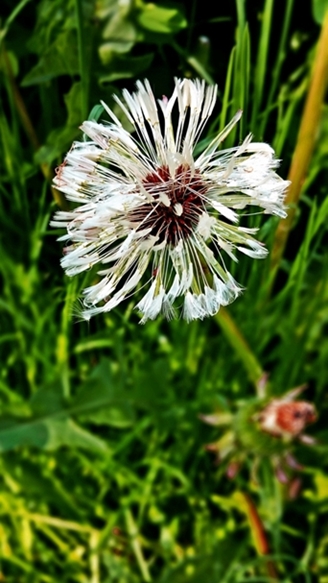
x,y
240,345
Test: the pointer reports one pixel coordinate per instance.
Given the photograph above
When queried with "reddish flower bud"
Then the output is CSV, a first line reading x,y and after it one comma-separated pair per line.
x,y
285,418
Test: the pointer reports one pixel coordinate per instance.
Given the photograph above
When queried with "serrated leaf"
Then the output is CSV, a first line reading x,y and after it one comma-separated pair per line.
x,y
60,58
48,427
52,18
100,400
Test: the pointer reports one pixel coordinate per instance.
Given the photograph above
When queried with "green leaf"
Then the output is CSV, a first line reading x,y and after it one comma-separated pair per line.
x,y
60,58
319,8
58,142
60,139
165,18
50,425
108,50
47,433
73,105
95,113
126,67
103,400
100,400
119,34
53,16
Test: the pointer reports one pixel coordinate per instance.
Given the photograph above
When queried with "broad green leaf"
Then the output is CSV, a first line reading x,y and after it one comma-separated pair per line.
x,y
103,400
49,425
60,139
47,433
120,36
100,400
110,49
119,32
319,9
161,18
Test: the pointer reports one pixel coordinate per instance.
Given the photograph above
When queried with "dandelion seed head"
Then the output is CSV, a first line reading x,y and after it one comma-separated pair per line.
x,y
151,215
176,207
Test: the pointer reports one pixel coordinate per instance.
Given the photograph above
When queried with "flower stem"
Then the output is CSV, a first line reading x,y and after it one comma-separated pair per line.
x,y
240,345
304,146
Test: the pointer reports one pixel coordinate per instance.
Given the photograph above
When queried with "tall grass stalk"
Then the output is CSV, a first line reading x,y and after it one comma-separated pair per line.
x,y
306,141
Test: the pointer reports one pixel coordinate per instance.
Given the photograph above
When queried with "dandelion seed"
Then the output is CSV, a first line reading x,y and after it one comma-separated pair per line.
x,y
145,204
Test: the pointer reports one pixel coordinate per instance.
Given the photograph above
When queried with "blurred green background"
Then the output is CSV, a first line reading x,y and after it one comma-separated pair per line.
x,y
105,477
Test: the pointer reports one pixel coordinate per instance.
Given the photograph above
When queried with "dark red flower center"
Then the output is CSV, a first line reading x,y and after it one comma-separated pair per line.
x,y
177,204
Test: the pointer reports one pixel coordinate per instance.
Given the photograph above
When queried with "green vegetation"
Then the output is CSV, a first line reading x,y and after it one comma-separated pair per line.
x,y
104,472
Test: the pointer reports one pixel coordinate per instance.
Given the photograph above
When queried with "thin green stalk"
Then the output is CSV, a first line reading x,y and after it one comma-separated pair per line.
x,y
28,125
261,65
279,62
241,77
240,346
200,69
63,339
12,17
19,102
194,63
241,19
94,557
82,59
227,90
304,147
133,534
236,90
286,116
191,23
